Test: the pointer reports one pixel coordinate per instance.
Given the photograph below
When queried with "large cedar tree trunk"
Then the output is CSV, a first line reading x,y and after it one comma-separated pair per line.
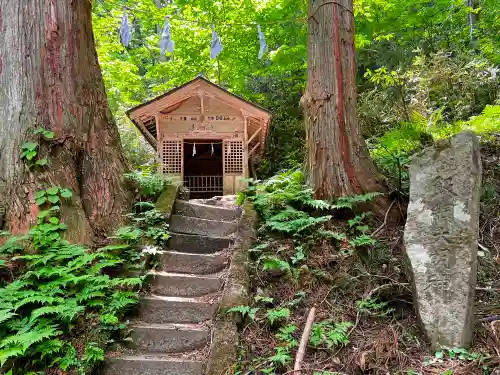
x,y
50,78
338,162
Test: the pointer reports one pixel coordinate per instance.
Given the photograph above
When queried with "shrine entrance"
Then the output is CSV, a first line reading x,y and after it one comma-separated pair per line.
x,y
203,167
205,137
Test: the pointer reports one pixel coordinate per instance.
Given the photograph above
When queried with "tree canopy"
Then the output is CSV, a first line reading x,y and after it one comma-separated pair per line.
x,y
391,36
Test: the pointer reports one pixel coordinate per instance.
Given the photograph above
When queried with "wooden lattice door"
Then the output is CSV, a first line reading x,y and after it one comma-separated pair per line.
x,y
171,157
233,157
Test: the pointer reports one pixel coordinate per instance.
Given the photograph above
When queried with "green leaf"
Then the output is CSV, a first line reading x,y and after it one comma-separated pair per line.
x,y
245,311
264,299
48,347
53,198
54,220
93,353
30,155
278,314
272,263
66,193
53,191
41,200
10,352
48,134
27,339
42,162
40,194
109,319
30,146
6,314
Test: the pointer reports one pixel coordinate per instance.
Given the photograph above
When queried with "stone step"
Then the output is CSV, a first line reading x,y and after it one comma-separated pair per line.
x,y
194,243
196,225
150,364
161,310
172,261
169,338
184,285
206,211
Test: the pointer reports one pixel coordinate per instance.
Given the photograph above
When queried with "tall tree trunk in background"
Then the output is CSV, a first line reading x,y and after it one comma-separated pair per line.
x,y
472,20
338,161
50,78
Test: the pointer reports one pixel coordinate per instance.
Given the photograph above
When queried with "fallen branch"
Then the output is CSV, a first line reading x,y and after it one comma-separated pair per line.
x,y
303,341
490,319
489,289
385,219
384,286
312,370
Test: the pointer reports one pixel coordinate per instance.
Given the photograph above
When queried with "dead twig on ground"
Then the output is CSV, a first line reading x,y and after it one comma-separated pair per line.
x,y
304,340
385,220
488,289
384,286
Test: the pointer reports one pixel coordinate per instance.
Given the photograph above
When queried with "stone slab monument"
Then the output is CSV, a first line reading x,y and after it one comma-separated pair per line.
x,y
441,237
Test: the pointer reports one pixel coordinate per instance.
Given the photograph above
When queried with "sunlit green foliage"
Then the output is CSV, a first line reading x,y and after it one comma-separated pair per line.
x,y
60,297
421,56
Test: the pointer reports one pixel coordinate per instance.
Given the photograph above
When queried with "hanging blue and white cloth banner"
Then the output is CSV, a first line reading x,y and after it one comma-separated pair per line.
x,y
263,43
125,29
215,45
166,42
159,4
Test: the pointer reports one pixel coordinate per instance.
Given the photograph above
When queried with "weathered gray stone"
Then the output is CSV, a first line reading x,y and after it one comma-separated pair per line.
x,y
182,285
196,225
160,310
166,201
224,348
172,261
169,338
194,243
206,211
441,236
152,365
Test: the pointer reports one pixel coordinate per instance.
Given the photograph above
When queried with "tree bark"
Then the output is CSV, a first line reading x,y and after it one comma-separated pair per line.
x,y
338,161
50,78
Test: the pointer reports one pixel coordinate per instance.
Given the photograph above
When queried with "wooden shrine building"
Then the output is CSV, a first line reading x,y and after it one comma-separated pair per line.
x,y
205,136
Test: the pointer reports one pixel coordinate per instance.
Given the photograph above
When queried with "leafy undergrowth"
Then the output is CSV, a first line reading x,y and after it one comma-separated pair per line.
x,y
488,278
62,304
315,253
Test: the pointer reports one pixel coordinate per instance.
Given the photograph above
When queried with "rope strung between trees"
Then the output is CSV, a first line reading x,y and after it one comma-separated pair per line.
x,y
167,44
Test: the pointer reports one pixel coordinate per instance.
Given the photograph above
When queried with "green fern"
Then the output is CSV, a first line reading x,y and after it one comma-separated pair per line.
x,y
70,358
59,286
11,352
49,347
329,334
295,226
93,353
6,314
278,314
25,340
362,240
351,201
245,311
273,263
281,357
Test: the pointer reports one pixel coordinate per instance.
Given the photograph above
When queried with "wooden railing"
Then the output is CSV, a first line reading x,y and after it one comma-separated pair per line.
x,y
204,184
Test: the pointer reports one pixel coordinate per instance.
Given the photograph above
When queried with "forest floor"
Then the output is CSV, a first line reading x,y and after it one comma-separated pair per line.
x,y
369,290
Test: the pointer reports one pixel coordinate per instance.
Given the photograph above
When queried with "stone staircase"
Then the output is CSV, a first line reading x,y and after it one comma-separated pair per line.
x,y
173,332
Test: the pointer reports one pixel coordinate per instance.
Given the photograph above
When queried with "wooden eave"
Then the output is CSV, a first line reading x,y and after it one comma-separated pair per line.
x,y
144,116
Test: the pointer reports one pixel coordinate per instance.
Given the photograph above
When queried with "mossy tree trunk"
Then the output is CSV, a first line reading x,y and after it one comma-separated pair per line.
x,y
50,78
338,162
